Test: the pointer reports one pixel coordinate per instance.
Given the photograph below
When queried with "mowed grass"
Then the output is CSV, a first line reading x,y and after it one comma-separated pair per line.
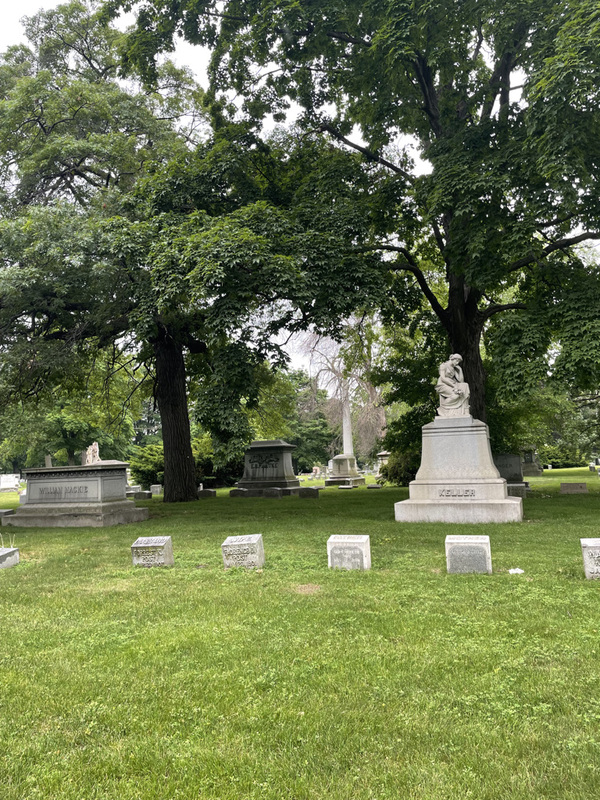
x,y
297,681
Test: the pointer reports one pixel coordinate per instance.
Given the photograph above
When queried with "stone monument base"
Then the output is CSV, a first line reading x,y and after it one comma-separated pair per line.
x,y
344,472
88,515
457,481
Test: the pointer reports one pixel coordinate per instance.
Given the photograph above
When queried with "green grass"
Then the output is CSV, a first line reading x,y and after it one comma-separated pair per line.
x,y
296,681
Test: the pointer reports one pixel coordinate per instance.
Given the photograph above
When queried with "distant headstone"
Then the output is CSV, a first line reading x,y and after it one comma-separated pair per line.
x,y
238,493
347,486
142,495
272,491
243,551
573,488
152,551
157,489
309,491
468,554
136,488
48,461
9,557
590,550
204,494
349,552
509,467
374,486
9,482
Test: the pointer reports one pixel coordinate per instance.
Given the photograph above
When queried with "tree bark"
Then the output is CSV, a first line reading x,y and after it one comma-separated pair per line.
x,y
171,396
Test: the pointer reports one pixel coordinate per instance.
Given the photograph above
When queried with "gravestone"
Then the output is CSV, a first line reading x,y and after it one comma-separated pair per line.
x,y
349,552
142,495
157,489
516,489
590,550
509,466
66,497
243,551
9,557
204,494
374,486
268,465
152,551
135,488
5,512
573,488
468,554
457,480
309,491
9,482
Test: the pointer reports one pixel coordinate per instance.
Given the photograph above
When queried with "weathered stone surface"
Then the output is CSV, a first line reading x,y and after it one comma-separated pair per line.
x,y
457,480
9,482
243,551
468,554
272,491
573,488
268,463
5,512
9,557
347,486
152,551
509,466
590,550
205,494
343,471
349,552
136,488
374,486
157,489
516,489
142,495
85,496
238,493
309,491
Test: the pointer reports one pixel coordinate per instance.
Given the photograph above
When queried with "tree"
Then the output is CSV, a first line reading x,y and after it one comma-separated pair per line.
x,y
500,102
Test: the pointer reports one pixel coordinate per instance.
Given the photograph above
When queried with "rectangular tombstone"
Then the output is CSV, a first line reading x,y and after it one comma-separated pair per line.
x,y
509,467
136,488
374,486
349,552
516,490
309,491
243,551
9,482
157,488
9,557
238,493
142,495
204,494
468,554
590,550
6,512
152,551
573,488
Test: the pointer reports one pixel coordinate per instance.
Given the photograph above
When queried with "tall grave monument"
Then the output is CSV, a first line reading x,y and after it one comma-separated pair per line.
x,y
343,466
457,480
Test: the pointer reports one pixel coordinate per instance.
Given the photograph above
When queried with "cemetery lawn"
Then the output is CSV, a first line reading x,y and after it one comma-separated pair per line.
x,y
297,682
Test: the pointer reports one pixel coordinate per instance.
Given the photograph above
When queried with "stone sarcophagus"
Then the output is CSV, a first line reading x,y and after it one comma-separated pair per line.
x,y
268,464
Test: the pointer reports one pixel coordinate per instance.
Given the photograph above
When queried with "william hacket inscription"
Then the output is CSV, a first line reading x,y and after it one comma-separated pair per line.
x,y
152,551
243,551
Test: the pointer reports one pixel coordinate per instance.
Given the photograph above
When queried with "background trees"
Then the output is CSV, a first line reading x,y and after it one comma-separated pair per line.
x,y
500,106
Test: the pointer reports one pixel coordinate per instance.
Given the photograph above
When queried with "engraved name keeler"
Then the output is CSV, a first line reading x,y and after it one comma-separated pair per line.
x,y
456,492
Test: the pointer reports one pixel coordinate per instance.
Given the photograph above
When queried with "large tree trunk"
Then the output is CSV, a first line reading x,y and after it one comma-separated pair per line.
x,y
464,325
171,395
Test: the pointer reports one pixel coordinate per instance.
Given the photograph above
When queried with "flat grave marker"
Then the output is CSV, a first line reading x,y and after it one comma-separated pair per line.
x,y
468,554
243,551
152,551
349,552
573,488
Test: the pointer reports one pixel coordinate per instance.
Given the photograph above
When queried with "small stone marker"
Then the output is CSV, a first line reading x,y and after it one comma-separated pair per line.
x,y
309,491
243,551
272,491
136,488
142,495
9,557
6,512
573,488
590,550
349,552
468,554
374,486
238,493
152,551
516,490
157,488
346,486
203,494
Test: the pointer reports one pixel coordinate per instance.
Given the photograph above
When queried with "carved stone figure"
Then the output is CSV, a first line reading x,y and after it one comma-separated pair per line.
x,y
453,391
92,455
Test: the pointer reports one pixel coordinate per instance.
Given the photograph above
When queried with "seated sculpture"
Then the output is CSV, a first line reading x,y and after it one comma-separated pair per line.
x,y
453,391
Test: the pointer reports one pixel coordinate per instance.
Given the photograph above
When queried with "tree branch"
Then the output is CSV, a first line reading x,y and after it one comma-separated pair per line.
x,y
561,244
497,308
368,154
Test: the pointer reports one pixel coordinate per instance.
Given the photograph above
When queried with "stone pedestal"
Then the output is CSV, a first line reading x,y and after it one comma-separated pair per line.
x,y
268,465
343,470
71,497
457,480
